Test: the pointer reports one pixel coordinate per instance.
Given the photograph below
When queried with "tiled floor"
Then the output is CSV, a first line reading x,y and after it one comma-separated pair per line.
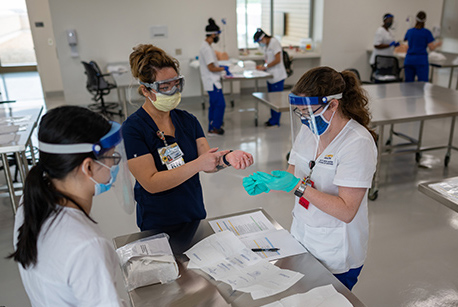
x,y
413,249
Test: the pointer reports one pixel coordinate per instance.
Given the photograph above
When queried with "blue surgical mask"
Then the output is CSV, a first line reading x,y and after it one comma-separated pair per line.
x,y
262,45
103,187
321,123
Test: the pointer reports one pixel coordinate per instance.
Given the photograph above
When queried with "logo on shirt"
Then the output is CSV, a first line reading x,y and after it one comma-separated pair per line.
x,y
327,160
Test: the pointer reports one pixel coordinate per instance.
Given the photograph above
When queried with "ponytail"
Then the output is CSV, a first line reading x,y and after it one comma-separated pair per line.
x,y
355,102
41,199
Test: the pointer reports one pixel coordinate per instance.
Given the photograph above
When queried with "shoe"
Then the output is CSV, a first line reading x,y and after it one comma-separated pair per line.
x,y
216,131
268,124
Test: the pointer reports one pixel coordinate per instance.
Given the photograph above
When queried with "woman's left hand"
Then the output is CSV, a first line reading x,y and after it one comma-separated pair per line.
x,y
239,159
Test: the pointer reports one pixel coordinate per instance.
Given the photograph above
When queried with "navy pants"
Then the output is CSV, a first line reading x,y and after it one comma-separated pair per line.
x,y
217,107
274,115
421,71
349,278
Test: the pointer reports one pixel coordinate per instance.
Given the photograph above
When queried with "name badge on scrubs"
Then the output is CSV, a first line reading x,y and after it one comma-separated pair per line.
x,y
171,156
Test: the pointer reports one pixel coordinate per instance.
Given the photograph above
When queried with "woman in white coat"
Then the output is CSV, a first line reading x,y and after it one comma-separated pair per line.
x,y
330,170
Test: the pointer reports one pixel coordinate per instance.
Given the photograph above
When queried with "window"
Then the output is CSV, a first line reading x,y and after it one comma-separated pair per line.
x,y
290,20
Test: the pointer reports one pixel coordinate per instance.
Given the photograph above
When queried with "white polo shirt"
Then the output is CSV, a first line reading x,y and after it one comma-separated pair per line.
x,y
76,264
278,71
382,36
207,56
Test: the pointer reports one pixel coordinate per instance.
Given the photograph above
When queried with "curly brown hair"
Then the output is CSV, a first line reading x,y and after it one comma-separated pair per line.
x,y
325,81
146,60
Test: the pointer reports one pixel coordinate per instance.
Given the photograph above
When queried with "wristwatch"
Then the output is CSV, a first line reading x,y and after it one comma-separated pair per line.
x,y
224,159
301,189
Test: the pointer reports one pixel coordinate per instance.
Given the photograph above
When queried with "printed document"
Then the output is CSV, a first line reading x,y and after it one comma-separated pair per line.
x,y
225,258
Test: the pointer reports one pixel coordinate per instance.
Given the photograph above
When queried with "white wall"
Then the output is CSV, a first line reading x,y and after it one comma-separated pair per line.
x,y
107,30
349,28
45,47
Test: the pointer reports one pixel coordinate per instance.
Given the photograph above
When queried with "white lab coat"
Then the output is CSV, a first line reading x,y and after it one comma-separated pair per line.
x,y
349,161
207,56
76,264
278,71
382,36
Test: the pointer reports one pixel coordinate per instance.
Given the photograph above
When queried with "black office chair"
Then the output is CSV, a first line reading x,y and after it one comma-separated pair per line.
x,y
358,76
288,62
386,70
99,87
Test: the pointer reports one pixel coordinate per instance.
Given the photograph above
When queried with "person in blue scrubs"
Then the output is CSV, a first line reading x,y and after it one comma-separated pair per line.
x,y
166,147
416,61
273,64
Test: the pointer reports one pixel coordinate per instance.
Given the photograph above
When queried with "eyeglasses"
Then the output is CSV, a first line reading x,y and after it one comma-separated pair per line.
x,y
305,112
116,157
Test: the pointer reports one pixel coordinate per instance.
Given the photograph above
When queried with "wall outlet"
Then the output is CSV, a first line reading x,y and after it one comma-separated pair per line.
x,y
178,51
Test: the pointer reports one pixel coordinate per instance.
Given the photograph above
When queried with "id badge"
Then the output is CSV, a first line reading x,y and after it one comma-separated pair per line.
x,y
171,156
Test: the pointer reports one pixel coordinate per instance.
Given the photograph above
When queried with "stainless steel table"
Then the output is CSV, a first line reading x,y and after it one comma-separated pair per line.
x,y
25,120
451,61
195,288
426,189
393,103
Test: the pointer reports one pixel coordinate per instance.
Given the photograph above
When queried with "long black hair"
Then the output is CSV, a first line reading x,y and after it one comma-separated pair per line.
x,y
63,125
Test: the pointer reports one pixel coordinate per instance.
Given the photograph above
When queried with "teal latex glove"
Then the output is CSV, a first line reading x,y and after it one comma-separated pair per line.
x,y
279,180
254,186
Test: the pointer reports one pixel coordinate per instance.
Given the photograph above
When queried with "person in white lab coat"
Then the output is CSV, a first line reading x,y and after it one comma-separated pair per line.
x,y
273,64
384,42
331,166
63,257
210,72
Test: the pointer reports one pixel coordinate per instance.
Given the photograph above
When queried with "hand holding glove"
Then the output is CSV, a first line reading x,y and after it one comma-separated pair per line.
x,y
263,182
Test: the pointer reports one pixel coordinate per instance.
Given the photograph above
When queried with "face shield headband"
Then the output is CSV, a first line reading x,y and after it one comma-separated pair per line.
x,y
212,32
108,141
260,38
167,87
307,101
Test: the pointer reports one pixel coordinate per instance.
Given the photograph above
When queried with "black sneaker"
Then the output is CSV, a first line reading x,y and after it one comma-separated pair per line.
x,y
216,131
268,124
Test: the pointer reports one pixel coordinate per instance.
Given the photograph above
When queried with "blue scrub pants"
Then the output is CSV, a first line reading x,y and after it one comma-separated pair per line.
x,y
274,115
349,278
421,71
216,110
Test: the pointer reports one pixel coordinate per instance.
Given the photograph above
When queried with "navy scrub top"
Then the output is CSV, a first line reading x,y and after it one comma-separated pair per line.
x,y
418,40
181,204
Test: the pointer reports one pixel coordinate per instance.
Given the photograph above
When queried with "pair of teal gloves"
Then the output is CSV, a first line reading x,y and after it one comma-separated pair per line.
x,y
261,182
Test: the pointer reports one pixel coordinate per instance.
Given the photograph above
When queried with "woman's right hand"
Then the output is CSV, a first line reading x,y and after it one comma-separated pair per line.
x,y
209,160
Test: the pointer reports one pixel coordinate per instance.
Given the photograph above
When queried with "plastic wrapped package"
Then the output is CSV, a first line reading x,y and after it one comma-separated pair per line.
x,y
148,261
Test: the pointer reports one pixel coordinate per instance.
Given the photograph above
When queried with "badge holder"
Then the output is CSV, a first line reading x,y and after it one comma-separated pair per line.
x,y
171,155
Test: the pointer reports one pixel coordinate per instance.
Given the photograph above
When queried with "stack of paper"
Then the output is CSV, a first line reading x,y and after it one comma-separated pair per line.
x,y
256,231
225,258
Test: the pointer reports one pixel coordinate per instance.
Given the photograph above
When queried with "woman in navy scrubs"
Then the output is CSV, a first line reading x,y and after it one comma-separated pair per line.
x,y
166,147
416,61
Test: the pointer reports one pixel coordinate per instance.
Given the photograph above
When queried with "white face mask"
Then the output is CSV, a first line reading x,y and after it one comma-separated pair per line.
x,y
166,103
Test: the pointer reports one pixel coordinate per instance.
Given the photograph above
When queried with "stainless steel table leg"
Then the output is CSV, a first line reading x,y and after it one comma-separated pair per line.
x,y
451,77
20,166
9,181
432,74
256,86
420,136
256,109
34,160
373,191
450,142
25,163
124,102
232,94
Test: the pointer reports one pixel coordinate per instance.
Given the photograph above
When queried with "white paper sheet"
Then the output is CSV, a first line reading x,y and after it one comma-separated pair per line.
x,y
225,258
448,189
256,231
325,296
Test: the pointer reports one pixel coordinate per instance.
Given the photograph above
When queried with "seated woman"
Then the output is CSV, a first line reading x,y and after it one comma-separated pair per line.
x,y
64,259
166,147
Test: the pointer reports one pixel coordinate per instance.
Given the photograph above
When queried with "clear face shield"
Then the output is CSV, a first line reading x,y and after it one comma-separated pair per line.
x,y
167,87
109,153
307,113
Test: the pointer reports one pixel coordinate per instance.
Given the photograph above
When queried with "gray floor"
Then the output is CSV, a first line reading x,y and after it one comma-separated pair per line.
x,y
413,248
